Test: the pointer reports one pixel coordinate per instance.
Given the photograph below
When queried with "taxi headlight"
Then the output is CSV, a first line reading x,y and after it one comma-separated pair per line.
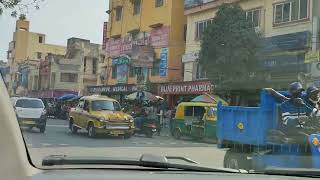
x,y
102,119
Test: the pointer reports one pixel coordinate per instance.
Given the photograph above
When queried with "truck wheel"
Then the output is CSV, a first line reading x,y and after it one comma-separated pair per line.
x,y
176,134
91,131
236,160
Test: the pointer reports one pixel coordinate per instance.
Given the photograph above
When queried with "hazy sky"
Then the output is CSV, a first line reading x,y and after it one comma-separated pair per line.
x,y
60,20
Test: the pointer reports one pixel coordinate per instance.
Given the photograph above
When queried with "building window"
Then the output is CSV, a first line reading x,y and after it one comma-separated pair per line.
x,y
201,27
69,77
118,13
159,3
131,71
53,79
136,7
200,73
254,16
94,66
292,11
155,68
114,72
39,55
85,64
40,39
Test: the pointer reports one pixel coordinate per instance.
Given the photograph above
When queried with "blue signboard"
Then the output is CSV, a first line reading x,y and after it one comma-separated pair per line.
x,y
294,41
163,71
284,63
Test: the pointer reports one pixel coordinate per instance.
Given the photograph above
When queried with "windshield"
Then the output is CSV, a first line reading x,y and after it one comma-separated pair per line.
x,y
29,103
226,83
105,105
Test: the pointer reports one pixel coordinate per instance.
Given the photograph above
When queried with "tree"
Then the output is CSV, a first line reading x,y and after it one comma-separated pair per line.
x,y
229,51
19,7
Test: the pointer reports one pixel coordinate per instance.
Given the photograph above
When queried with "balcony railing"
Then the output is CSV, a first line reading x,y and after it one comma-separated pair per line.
x,y
194,3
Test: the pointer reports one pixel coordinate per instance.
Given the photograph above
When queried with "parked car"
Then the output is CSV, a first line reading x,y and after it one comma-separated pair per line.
x,y
100,115
30,112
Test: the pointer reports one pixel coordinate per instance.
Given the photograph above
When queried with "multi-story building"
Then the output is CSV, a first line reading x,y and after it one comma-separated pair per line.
x,y
4,71
290,29
69,73
145,42
27,46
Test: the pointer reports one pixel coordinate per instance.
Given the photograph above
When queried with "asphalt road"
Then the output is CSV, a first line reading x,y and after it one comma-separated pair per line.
x,y
58,140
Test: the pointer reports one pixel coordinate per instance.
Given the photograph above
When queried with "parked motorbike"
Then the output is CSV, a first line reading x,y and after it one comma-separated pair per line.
x,y
148,127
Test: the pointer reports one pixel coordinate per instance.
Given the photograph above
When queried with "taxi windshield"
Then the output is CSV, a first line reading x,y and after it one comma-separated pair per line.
x,y
101,105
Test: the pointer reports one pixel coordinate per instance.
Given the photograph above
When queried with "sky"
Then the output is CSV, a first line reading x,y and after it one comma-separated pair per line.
x,y
60,20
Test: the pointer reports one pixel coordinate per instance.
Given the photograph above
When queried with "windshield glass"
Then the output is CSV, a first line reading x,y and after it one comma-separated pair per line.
x,y
226,83
105,105
29,103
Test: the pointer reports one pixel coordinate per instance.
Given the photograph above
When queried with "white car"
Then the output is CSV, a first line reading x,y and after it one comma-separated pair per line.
x,y
30,112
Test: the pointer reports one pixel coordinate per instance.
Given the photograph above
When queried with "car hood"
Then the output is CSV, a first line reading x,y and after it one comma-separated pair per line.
x,y
111,115
29,112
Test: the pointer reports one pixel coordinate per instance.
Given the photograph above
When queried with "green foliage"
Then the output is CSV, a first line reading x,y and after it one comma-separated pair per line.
x,y
19,7
229,50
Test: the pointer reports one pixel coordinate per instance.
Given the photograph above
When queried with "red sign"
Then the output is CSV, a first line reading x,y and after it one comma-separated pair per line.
x,y
158,37
105,38
192,87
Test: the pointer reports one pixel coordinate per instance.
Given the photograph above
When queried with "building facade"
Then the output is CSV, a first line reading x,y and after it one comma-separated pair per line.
x,y
290,29
27,46
144,43
69,73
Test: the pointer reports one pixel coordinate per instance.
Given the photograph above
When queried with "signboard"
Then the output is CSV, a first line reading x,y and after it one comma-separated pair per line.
x,y
159,37
142,56
113,89
122,73
192,87
105,38
121,60
190,57
163,62
287,42
272,61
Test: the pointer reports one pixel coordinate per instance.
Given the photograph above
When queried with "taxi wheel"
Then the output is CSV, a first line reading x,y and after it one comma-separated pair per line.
x,y
73,128
91,131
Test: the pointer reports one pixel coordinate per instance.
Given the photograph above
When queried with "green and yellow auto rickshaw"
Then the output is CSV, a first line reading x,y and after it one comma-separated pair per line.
x,y
195,119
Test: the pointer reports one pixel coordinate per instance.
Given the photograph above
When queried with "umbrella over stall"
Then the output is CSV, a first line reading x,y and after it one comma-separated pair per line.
x,y
66,97
207,98
143,96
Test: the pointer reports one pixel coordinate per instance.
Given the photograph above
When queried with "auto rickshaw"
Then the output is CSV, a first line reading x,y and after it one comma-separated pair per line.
x,y
196,120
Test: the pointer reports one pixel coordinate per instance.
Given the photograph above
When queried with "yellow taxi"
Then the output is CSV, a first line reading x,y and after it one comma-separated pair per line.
x,y
100,115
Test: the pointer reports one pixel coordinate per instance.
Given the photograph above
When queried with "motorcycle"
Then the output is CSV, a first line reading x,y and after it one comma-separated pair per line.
x,y
148,127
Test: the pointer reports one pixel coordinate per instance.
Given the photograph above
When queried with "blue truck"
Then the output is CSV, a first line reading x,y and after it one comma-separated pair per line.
x,y
256,142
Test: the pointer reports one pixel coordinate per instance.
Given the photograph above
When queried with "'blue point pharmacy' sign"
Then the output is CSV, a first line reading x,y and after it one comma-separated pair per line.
x,y
163,71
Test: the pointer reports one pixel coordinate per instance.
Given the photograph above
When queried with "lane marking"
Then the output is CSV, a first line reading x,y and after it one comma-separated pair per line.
x,y
63,144
45,144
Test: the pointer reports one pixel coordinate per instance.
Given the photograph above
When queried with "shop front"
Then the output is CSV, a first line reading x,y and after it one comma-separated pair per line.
x,y
183,91
117,92
284,57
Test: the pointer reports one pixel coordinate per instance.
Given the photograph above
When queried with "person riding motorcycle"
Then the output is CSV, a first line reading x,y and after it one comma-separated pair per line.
x,y
312,97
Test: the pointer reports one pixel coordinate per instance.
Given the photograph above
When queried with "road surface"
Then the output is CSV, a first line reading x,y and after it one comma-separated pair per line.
x,y
58,140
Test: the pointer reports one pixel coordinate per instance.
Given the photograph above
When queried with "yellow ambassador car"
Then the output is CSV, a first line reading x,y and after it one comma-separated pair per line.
x,y
100,115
